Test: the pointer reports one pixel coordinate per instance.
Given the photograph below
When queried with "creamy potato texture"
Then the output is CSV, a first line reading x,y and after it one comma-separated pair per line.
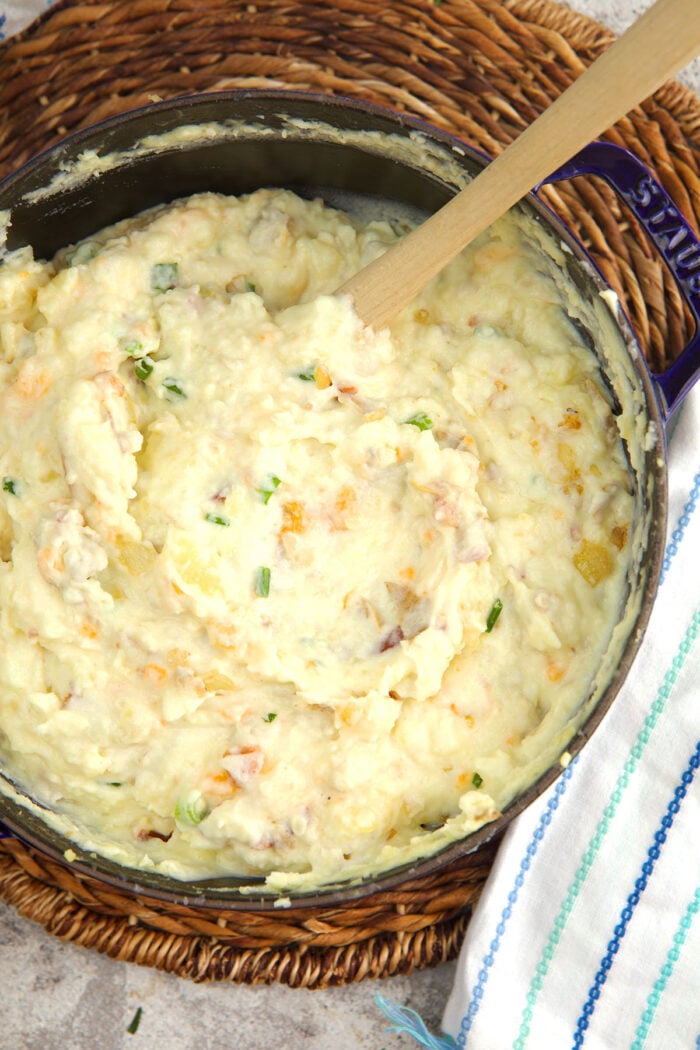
x,y
280,595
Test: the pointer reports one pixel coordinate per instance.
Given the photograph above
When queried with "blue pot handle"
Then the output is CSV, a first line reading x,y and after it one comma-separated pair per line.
x,y
670,233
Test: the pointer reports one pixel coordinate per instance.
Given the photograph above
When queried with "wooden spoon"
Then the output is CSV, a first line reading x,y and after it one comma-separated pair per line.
x,y
652,50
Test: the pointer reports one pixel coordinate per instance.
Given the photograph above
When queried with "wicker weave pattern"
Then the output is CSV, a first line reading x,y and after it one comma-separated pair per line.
x,y
389,933
481,68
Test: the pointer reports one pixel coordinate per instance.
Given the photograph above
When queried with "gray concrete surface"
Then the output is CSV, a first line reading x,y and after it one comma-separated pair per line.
x,y
56,996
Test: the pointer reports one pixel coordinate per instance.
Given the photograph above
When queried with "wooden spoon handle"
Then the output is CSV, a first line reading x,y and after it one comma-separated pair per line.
x,y
651,51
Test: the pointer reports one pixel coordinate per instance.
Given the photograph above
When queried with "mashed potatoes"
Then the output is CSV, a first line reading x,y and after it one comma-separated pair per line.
x,y
280,595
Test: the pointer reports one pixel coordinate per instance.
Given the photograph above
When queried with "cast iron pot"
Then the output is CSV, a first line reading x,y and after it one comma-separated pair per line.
x,y
349,153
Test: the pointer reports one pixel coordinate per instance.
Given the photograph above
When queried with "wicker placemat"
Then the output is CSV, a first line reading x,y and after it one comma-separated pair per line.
x,y
481,68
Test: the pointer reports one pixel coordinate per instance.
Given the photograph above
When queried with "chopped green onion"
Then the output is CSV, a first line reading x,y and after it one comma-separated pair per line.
x,y
190,810
268,487
164,276
271,717
143,366
82,253
133,348
477,780
262,583
421,421
135,1022
493,615
217,519
114,783
251,286
173,387
487,331
308,375
9,485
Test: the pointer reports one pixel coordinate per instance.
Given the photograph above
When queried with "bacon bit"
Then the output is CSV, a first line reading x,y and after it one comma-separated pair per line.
x,y
446,509
322,377
292,517
347,389
244,764
463,780
394,695
555,672
391,640
390,834
619,536
154,673
89,630
221,494
144,834
571,420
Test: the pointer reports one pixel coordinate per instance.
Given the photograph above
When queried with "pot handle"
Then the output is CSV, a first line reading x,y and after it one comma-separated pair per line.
x,y
672,236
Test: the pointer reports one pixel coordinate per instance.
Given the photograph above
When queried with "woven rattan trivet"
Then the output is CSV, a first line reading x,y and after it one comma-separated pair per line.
x,y
481,68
